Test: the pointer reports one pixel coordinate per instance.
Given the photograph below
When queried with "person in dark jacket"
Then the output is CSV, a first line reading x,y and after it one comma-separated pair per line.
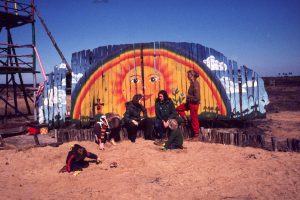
x,y
75,159
175,140
164,110
135,116
192,103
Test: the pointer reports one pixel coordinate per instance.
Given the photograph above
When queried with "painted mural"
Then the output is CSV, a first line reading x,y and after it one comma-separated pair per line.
x,y
105,78
52,98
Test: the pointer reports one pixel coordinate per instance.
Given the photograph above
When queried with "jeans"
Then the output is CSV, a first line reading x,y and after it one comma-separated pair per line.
x,y
159,127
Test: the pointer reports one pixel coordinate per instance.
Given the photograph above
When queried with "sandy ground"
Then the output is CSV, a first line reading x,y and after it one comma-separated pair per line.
x,y
201,171
282,125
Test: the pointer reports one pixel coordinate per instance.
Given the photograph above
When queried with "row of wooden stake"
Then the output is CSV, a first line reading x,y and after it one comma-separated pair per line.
x,y
208,135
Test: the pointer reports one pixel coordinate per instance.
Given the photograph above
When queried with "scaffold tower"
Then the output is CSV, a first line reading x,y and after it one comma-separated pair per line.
x,y
16,60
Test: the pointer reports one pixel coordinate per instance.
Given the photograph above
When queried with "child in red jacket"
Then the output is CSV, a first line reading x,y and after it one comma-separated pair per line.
x,y
75,159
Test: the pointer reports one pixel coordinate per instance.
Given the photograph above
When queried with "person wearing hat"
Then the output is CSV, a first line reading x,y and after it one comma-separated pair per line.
x,y
133,119
175,140
192,103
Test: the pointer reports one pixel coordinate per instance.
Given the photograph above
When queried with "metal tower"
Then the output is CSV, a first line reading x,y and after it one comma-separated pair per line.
x,y
16,59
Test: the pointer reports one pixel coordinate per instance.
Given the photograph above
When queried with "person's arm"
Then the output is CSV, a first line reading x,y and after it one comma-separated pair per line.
x,y
91,155
144,110
196,93
127,117
157,112
173,113
70,161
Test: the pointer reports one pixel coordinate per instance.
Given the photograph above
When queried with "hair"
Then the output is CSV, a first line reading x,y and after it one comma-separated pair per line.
x,y
173,124
136,98
165,95
194,73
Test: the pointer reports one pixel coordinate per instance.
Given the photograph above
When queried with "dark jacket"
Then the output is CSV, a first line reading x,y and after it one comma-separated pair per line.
x,y
165,110
194,93
133,112
74,158
176,138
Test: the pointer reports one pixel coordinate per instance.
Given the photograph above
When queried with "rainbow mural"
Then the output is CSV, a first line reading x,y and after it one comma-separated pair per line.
x,y
113,74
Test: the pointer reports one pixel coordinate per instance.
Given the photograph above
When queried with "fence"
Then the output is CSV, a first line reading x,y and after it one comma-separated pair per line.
x,y
113,74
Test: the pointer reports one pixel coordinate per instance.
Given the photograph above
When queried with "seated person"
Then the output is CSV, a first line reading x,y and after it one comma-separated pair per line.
x,y
102,132
114,122
164,110
75,159
133,120
175,140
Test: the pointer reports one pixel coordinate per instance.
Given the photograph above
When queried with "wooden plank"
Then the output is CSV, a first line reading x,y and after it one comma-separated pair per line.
x,y
55,97
262,96
51,96
245,103
46,101
63,95
250,88
237,107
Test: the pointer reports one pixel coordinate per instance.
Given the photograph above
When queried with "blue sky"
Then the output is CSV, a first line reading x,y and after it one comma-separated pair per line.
x,y
261,34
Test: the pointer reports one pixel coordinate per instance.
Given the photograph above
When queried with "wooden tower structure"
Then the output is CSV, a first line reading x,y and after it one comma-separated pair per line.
x,y
16,60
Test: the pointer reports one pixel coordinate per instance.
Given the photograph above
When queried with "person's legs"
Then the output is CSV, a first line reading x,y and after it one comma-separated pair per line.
x,y
175,146
181,110
115,125
146,125
83,164
115,134
102,140
132,132
194,119
160,129
78,166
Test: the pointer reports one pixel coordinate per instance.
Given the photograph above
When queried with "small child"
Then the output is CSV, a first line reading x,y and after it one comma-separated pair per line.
x,y
101,132
175,139
75,159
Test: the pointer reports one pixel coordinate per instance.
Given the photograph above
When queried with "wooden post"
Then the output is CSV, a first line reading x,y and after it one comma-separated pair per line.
x,y
295,145
274,143
204,135
262,141
36,139
1,140
232,138
240,139
289,144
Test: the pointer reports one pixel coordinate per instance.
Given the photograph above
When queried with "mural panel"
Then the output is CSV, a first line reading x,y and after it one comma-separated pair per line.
x,y
113,74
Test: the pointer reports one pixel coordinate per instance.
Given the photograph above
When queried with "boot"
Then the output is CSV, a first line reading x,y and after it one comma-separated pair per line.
x,y
112,141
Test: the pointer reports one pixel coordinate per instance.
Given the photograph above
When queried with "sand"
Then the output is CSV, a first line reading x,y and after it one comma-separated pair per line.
x,y
201,171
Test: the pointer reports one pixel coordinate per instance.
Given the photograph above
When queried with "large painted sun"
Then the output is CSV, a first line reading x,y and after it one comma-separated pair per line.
x,y
147,79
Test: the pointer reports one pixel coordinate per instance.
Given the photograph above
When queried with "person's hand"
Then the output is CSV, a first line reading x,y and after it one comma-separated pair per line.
x,y
134,122
166,123
98,162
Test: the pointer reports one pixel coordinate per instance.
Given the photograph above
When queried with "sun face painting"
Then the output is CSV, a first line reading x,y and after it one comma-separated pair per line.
x,y
143,71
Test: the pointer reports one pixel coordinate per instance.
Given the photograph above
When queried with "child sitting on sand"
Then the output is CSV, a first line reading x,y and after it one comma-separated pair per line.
x,y
75,159
175,140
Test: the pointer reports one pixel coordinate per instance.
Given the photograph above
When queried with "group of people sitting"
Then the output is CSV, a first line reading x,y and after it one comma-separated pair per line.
x,y
135,118
166,121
